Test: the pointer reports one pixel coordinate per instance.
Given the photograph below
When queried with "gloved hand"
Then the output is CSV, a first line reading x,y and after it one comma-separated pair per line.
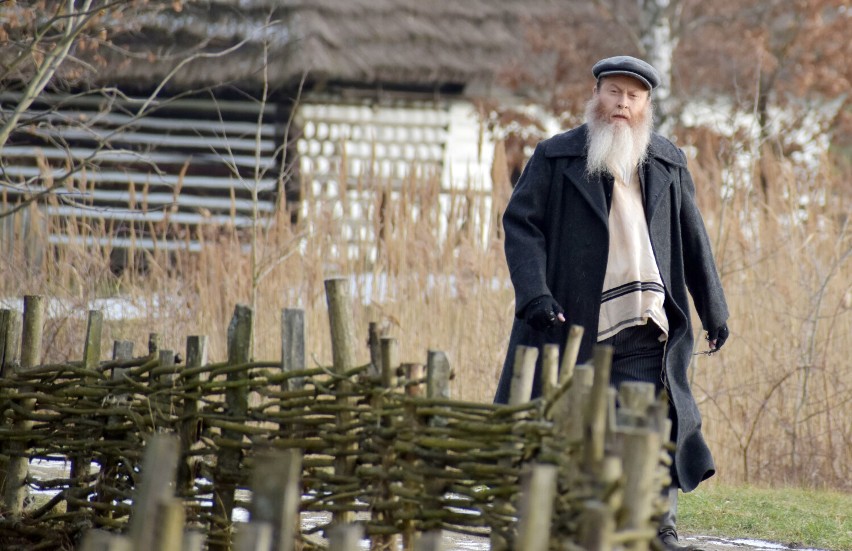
x,y
718,336
543,313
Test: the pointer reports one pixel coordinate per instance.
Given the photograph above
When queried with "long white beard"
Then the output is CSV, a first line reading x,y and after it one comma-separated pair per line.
x,y
618,149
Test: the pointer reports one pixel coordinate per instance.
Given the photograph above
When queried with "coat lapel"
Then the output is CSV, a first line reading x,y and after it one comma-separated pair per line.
x,y
591,190
656,182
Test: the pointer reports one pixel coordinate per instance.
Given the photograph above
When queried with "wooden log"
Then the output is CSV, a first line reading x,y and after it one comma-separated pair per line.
x,y
18,467
343,342
228,459
596,414
254,536
549,371
293,346
101,540
159,469
535,510
190,429
345,537
276,495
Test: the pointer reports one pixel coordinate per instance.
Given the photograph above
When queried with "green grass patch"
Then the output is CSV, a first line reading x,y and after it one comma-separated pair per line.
x,y
791,516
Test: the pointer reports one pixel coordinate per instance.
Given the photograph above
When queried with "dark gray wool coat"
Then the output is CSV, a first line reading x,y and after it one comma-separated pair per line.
x,y
557,242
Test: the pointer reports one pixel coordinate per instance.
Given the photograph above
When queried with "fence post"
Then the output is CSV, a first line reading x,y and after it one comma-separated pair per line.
x,y
10,346
343,342
276,495
345,537
520,391
538,489
236,403
101,540
10,341
159,467
81,463
108,477
388,355
196,357
641,456
293,345
33,331
596,414
253,536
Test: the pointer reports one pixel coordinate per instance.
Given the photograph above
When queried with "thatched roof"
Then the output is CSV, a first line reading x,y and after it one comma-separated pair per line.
x,y
408,43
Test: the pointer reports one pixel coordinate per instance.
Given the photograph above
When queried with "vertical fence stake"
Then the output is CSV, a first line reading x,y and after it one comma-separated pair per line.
x,y
108,476
236,402
345,537
196,357
538,489
81,463
159,467
10,346
343,342
595,424
33,330
276,494
293,345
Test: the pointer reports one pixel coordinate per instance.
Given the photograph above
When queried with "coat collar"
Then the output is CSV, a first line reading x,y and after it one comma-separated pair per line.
x,y
656,174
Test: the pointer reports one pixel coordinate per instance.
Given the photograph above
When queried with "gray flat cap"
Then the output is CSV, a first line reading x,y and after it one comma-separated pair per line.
x,y
629,66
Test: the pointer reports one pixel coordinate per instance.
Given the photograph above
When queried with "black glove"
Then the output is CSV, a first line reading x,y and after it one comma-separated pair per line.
x,y
720,335
542,313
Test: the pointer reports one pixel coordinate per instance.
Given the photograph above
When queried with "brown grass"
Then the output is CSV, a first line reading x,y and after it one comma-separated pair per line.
x,y
777,400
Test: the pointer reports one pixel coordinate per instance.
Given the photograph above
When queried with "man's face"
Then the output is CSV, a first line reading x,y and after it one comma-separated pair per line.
x,y
621,100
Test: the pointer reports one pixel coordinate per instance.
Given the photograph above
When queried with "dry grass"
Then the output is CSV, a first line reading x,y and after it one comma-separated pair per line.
x,y
777,400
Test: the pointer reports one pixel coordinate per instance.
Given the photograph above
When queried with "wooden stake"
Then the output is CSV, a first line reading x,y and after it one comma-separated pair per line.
x,y
595,425
569,356
276,495
549,370
538,488
522,375
345,537
343,342
18,466
159,468
236,402
293,345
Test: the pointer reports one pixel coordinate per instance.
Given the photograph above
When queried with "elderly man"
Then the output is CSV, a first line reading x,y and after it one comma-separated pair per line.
x,y
602,231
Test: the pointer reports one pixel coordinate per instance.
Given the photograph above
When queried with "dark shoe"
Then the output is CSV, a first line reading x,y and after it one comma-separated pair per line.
x,y
669,542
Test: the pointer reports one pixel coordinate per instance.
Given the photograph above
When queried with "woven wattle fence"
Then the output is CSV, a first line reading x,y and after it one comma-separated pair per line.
x,y
163,449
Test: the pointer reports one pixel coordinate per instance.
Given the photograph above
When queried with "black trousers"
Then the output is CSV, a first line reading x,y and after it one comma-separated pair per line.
x,y
637,355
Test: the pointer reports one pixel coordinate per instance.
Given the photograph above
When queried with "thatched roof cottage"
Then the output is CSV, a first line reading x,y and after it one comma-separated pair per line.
x,y
201,112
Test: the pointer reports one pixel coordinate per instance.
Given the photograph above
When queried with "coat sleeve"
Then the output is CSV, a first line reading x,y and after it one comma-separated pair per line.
x,y
702,278
524,222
